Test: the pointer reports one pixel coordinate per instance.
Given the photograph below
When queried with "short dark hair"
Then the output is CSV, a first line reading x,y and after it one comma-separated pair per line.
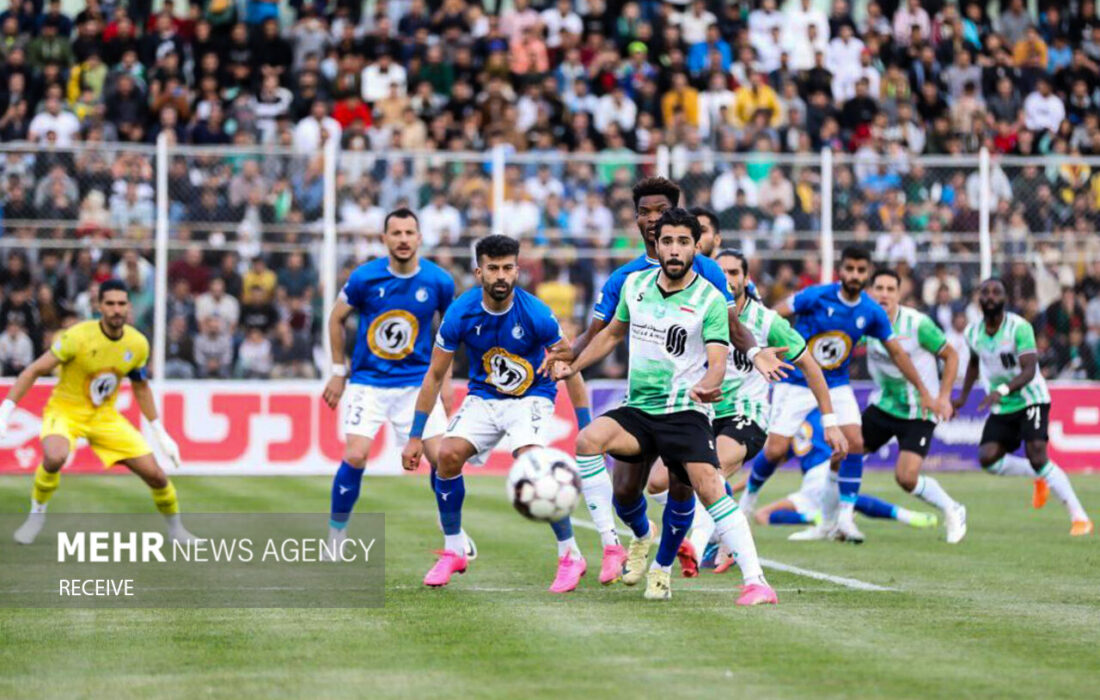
x,y
656,186
496,246
400,213
709,214
855,252
113,285
679,217
885,272
735,253
998,280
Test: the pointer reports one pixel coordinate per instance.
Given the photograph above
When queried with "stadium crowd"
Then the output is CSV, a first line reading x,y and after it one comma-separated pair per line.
x,y
580,94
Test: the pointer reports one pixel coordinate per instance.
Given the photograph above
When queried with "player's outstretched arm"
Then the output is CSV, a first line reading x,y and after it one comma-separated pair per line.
x,y
600,347
46,363
439,369
334,388
968,382
815,379
947,379
143,394
709,388
909,371
585,338
578,396
766,360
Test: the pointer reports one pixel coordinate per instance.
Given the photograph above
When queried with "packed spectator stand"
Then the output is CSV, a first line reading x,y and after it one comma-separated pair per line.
x,y
575,99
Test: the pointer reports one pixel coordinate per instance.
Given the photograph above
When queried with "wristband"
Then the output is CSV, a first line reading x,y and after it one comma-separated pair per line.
x,y
340,370
1003,390
584,416
753,352
420,420
828,420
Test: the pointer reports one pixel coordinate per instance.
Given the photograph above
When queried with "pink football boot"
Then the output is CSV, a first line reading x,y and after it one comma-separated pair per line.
x,y
757,594
448,564
570,570
611,570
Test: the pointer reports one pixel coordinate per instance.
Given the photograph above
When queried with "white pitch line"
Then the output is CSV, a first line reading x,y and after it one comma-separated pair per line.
x,y
852,583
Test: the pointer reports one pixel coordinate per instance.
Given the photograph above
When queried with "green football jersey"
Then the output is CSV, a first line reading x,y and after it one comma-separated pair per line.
x,y
668,337
999,360
744,390
922,340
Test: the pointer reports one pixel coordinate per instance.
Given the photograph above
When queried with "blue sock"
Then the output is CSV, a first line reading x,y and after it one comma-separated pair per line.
x,y
849,478
431,479
876,508
762,470
449,494
634,516
729,489
787,517
675,523
563,529
584,417
345,492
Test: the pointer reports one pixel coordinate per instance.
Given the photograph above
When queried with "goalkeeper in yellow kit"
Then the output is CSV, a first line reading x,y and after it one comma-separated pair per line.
x,y
94,356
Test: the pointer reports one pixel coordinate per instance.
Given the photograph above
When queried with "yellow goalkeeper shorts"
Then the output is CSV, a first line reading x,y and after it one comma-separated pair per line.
x,y
109,434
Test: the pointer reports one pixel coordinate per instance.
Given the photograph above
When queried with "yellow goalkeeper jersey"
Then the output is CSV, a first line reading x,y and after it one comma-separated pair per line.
x,y
92,364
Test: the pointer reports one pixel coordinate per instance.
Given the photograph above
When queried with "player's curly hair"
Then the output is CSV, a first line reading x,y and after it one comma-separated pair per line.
x,y
656,186
496,246
679,217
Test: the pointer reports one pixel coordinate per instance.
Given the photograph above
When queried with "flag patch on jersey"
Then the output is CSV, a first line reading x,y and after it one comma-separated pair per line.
x,y
687,309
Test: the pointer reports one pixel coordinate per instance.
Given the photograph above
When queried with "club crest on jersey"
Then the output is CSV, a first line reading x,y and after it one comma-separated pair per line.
x,y
102,387
127,356
861,322
422,295
392,335
517,332
510,374
830,349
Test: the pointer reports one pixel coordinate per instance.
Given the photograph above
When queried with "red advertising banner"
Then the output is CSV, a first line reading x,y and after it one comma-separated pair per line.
x,y
283,427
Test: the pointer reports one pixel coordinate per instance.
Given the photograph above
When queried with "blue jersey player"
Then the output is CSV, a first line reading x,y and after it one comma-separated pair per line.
x,y
804,505
507,333
397,298
653,196
833,318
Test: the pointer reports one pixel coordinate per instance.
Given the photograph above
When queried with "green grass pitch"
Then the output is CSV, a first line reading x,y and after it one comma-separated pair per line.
x,y
1014,611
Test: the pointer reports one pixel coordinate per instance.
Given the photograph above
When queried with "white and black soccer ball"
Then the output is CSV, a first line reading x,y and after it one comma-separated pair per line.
x,y
544,484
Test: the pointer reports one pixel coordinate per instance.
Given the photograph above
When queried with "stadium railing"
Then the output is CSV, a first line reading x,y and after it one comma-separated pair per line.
x,y
168,203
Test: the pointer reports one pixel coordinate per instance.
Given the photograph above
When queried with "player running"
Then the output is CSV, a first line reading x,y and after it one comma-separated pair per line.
x,y
834,317
1002,349
679,334
652,197
894,411
741,416
506,332
397,298
94,356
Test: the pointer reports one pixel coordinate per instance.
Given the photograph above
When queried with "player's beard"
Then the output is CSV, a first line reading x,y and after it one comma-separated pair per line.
x,y
114,323
500,291
677,272
852,287
991,311
403,256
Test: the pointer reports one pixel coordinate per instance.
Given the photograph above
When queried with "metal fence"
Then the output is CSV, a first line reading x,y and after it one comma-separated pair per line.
x,y
281,228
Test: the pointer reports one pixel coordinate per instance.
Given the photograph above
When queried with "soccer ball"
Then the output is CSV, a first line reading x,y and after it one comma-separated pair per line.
x,y
544,484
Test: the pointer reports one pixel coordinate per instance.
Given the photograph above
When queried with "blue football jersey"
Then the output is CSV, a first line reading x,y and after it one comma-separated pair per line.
x,y
393,347
809,444
833,326
505,349
608,300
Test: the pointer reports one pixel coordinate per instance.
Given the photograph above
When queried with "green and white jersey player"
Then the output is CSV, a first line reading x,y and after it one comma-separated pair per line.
x,y
895,409
1002,352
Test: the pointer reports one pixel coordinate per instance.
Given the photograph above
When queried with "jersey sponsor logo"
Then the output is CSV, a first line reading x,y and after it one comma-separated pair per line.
x,y
422,295
101,387
830,349
676,340
509,374
739,361
392,336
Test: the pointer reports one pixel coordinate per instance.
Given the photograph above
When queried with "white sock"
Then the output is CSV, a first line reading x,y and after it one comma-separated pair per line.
x,y
337,534
748,501
666,569
37,507
661,498
1059,483
930,491
455,543
830,501
1012,465
174,522
567,546
733,530
596,487
702,529
903,515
